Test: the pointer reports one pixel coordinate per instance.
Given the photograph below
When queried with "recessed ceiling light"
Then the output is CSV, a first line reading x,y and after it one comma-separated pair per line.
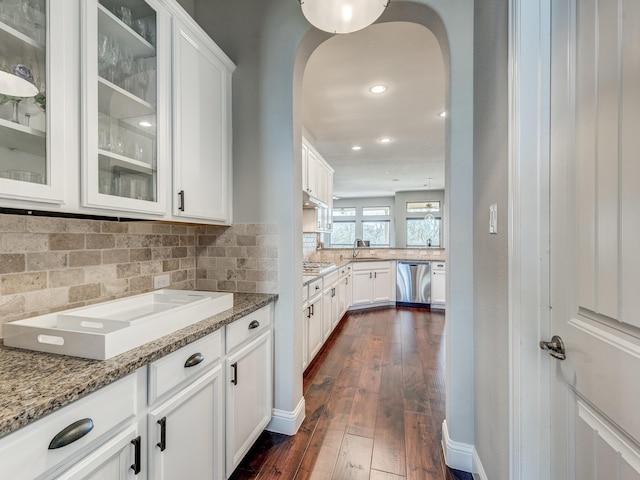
x,y
395,179
443,114
385,140
356,147
145,124
378,89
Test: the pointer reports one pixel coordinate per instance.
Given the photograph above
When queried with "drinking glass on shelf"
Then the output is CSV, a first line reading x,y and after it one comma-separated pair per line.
x,y
142,76
103,54
140,27
113,56
126,67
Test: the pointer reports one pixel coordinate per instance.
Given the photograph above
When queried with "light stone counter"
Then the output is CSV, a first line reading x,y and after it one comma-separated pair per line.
x,y
33,384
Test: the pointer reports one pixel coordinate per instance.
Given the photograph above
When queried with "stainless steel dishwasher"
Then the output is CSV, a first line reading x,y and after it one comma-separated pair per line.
x,y
413,284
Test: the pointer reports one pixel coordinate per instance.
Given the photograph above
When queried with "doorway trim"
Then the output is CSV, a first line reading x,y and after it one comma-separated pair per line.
x,y
529,256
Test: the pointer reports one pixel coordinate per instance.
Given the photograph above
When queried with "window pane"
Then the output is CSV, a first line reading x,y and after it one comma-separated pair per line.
x,y
344,211
376,232
423,207
423,233
343,233
371,211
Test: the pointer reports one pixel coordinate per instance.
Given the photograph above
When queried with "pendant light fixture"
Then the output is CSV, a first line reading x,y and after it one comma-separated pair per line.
x,y
342,16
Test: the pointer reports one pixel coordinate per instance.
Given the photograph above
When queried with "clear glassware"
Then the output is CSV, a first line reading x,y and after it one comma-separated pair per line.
x,y
126,160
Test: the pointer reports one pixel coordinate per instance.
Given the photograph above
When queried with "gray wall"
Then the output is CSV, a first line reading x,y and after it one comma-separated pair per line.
x,y
188,5
491,329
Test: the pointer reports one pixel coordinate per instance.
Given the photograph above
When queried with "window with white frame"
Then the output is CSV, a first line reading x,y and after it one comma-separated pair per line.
x,y
344,211
376,211
423,207
377,232
423,232
343,233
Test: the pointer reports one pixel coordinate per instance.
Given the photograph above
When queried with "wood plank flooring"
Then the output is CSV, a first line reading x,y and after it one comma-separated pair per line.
x,y
374,405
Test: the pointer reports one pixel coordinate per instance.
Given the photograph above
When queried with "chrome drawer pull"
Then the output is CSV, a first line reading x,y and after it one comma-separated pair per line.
x,y
194,360
254,324
70,434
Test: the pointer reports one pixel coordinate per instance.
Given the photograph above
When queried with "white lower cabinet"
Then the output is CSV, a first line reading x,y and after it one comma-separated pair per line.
x,y
438,285
186,432
166,421
373,283
249,393
315,326
118,459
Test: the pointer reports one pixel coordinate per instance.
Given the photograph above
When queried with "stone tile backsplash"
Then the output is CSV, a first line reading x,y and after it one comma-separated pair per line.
x,y
51,264
240,258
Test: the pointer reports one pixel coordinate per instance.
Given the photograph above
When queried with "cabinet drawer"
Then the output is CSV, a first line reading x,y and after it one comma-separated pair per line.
x,y
305,293
248,327
25,454
330,278
359,266
315,287
183,364
437,265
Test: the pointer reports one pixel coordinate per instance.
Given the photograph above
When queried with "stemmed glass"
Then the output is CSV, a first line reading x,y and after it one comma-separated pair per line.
x,y
126,66
113,56
142,72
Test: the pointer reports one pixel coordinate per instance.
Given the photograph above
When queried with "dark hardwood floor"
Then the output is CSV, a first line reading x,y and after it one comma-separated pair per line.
x,y
374,405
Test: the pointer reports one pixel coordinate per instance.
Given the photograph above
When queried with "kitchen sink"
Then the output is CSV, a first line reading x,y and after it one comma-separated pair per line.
x,y
108,329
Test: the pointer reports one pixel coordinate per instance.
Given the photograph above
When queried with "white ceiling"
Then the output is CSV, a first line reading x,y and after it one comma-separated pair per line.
x,y
338,111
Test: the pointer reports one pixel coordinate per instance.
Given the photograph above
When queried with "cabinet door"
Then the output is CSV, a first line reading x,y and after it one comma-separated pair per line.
x,y
335,307
315,331
125,105
249,398
115,460
33,141
306,315
341,294
313,164
362,287
327,312
186,432
201,128
438,287
305,155
381,286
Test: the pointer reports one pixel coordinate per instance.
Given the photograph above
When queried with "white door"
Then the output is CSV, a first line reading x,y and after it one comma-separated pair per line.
x,y
381,286
186,432
118,459
362,285
249,398
202,135
595,239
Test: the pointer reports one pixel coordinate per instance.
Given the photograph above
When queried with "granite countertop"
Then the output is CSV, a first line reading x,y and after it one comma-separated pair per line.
x,y
33,384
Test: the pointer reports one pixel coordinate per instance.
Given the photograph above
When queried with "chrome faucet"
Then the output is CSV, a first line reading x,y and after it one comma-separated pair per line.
x,y
354,254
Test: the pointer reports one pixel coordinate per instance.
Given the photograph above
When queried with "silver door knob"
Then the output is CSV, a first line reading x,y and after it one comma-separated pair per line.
x,y
555,347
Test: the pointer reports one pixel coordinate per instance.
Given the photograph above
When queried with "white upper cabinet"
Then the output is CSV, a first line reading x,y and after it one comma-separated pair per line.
x,y
125,137
32,92
107,124
202,186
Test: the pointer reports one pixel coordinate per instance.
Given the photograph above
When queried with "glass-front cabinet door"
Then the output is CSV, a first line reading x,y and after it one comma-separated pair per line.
x,y
125,100
26,168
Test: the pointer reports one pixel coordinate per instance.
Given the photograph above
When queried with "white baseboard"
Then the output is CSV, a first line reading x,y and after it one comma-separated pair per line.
x,y
456,455
478,469
286,422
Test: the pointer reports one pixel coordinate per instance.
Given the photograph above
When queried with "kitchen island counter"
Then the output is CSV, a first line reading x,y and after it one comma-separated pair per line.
x,y
34,384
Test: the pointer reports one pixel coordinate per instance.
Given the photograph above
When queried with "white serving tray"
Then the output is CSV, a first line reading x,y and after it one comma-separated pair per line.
x,y
108,329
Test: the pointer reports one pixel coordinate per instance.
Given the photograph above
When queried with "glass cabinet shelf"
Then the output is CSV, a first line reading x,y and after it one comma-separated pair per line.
x,y
15,136
122,161
17,42
120,103
109,24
